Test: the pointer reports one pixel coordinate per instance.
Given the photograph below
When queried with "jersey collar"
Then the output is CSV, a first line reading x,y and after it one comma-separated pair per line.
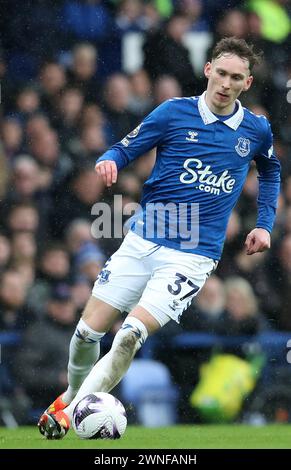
x,y
208,117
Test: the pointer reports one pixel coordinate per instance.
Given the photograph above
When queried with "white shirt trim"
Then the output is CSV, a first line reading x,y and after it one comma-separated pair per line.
x,y
208,117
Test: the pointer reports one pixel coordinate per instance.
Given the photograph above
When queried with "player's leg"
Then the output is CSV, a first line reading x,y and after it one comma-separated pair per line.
x,y
97,319
84,350
119,285
108,372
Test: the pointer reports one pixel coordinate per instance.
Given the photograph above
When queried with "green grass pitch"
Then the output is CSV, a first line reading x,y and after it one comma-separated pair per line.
x,y
175,437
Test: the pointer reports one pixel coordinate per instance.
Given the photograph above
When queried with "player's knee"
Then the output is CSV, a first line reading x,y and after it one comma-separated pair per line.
x,y
99,315
131,335
84,334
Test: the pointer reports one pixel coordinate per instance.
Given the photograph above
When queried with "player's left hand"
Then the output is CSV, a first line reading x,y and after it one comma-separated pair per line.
x,y
258,240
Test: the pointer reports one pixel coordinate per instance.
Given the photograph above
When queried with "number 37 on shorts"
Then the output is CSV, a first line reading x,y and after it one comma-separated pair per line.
x,y
160,279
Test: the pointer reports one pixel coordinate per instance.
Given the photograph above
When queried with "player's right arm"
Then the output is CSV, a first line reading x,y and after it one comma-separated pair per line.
x,y
142,139
107,170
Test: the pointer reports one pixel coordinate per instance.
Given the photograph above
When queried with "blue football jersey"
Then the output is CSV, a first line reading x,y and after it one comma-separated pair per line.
x,y
201,165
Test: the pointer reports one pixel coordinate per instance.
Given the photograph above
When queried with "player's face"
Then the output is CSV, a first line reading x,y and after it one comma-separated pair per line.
x,y
228,76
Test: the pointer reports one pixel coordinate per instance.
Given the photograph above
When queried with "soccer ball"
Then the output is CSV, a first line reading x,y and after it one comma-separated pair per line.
x,y
99,416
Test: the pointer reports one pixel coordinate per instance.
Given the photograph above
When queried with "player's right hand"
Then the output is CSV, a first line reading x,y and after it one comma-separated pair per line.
x,y
108,171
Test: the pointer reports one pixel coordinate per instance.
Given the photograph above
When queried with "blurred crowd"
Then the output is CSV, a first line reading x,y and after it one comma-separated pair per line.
x,y
77,76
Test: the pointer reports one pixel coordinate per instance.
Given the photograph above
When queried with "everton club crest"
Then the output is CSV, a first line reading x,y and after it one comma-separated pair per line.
x,y
103,276
243,147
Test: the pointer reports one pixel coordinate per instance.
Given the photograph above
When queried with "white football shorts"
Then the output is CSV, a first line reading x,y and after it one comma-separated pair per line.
x,y
160,279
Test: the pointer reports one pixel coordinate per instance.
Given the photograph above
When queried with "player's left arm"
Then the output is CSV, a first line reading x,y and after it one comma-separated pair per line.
x,y
268,167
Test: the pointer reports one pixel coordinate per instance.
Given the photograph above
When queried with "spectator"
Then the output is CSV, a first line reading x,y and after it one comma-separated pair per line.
x,y
89,261
117,96
53,269
27,103
13,310
78,233
5,251
25,179
242,316
84,189
68,116
54,164
165,88
25,188
82,74
23,217
140,102
193,10
52,81
12,137
165,53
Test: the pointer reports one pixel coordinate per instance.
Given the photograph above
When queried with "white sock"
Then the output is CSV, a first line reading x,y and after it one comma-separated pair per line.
x,y
108,372
84,352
